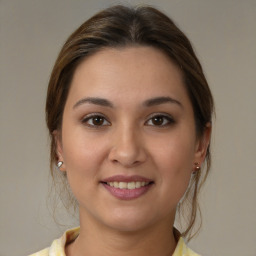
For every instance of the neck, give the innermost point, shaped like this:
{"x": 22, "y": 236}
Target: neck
{"x": 98, "y": 239}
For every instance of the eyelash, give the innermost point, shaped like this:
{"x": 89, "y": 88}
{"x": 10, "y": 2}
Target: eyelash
{"x": 167, "y": 120}
{"x": 90, "y": 117}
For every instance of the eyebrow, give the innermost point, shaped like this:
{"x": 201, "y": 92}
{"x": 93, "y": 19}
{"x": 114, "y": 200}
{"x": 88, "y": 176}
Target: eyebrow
{"x": 96, "y": 101}
{"x": 161, "y": 100}
{"x": 148, "y": 103}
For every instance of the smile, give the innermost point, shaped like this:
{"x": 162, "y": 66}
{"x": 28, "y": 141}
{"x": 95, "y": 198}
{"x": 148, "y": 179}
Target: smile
{"x": 128, "y": 185}
{"x": 127, "y": 188}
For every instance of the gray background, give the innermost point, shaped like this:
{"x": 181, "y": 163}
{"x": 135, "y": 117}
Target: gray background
{"x": 224, "y": 36}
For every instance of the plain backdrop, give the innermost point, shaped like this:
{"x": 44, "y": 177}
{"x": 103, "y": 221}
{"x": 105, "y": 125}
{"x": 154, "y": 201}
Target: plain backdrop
{"x": 32, "y": 32}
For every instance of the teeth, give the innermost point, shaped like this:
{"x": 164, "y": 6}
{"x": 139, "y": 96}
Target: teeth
{"x": 122, "y": 185}
{"x": 138, "y": 184}
{"x": 127, "y": 185}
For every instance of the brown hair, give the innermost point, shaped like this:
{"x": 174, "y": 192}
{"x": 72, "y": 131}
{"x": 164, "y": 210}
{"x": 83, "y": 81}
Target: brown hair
{"x": 121, "y": 26}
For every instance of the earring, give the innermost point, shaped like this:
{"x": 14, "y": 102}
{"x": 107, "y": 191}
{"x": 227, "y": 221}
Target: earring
{"x": 59, "y": 164}
{"x": 197, "y": 168}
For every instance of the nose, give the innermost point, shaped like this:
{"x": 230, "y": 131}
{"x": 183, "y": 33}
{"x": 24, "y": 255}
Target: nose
{"x": 128, "y": 148}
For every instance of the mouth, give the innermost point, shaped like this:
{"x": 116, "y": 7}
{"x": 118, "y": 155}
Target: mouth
{"x": 128, "y": 185}
{"x": 127, "y": 188}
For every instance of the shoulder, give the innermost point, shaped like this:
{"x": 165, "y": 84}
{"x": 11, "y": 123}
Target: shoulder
{"x": 57, "y": 247}
{"x": 191, "y": 253}
{"x": 183, "y": 250}
{"x": 44, "y": 252}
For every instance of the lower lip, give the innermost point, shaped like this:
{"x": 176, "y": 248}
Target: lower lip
{"x": 127, "y": 194}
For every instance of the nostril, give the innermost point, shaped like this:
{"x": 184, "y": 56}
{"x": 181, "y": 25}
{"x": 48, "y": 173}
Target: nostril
{"x": 126, "y": 153}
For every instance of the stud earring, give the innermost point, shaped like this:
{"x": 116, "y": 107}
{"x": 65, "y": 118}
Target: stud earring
{"x": 59, "y": 164}
{"x": 197, "y": 168}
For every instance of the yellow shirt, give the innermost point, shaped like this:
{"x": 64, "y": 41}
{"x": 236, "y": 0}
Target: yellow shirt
{"x": 58, "y": 246}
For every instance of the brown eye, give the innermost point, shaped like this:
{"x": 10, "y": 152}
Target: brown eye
{"x": 157, "y": 120}
{"x": 160, "y": 120}
{"x": 95, "y": 121}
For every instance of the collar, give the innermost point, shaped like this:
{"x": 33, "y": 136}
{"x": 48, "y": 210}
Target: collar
{"x": 58, "y": 246}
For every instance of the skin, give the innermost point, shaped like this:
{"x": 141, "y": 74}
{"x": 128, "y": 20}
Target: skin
{"x": 128, "y": 141}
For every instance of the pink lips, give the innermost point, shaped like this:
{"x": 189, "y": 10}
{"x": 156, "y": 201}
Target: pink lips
{"x": 127, "y": 194}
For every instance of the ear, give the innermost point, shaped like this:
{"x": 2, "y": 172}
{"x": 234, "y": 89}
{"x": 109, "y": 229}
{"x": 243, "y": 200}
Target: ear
{"x": 58, "y": 149}
{"x": 203, "y": 144}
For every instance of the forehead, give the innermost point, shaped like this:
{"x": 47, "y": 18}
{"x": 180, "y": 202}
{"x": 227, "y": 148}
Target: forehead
{"x": 130, "y": 72}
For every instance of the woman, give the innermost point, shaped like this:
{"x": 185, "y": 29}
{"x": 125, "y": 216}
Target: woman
{"x": 129, "y": 114}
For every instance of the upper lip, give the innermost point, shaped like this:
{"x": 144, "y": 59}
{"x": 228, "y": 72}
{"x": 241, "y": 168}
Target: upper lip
{"x": 123, "y": 178}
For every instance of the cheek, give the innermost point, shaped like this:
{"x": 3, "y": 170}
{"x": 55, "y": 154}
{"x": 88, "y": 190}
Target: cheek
{"x": 174, "y": 160}
{"x": 83, "y": 158}
{"x": 83, "y": 153}
{"x": 175, "y": 152}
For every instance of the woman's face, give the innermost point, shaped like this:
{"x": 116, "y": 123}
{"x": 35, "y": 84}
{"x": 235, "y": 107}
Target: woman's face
{"x": 128, "y": 138}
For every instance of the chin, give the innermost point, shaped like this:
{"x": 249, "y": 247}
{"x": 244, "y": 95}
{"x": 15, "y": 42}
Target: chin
{"x": 129, "y": 221}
